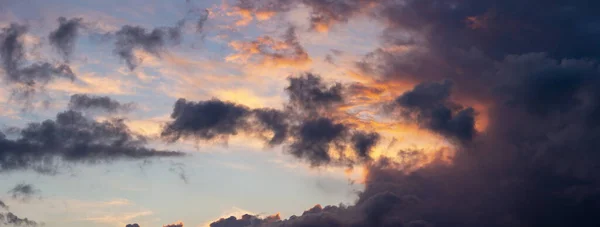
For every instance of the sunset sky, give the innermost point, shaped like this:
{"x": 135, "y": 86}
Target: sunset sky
{"x": 382, "y": 112}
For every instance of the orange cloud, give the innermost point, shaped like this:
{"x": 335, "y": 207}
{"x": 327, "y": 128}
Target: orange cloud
{"x": 268, "y": 51}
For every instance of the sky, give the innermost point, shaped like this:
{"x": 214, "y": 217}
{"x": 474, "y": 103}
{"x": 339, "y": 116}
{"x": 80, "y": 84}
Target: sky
{"x": 272, "y": 113}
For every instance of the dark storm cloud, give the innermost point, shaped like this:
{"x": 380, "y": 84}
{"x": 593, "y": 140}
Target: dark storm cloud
{"x": 306, "y": 127}
{"x": 72, "y": 138}
{"x": 65, "y": 36}
{"x": 23, "y": 191}
{"x": 533, "y": 65}
{"x": 82, "y": 102}
{"x": 130, "y": 38}
{"x": 430, "y": 102}
{"x": 12, "y": 53}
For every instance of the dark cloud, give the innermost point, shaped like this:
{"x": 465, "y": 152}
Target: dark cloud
{"x": 430, "y": 102}
{"x": 28, "y": 77}
{"x": 23, "y": 191}
{"x": 3, "y": 205}
{"x": 363, "y": 143}
{"x": 202, "y": 20}
{"x": 315, "y": 138}
{"x": 329, "y": 59}
{"x": 206, "y": 119}
{"x": 534, "y": 67}
{"x": 72, "y": 138}
{"x": 245, "y": 220}
{"x": 180, "y": 224}
{"x": 308, "y": 93}
{"x": 130, "y": 38}
{"x": 132, "y": 225}
{"x": 306, "y": 127}
{"x": 82, "y": 102}
{"x": 275, "y": 121}
{"x": 201, "y": 14}
{"x": 10, "y": 219}
{"x": 65, "y": 36}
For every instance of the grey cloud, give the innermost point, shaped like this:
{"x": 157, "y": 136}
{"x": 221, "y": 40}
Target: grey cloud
{"x": 65, "y": 36}
{"x": 11, "y": 219}
{"x": 430, "y": 102}
{"x": 205, "y": 119}
{"x": 30, "y": 77}
{"x": 3, "y": 205}
{"x": 23, "y": 191}
{"x": 308, "y": 93}
{"x": 72, "y": 138}
{"x": 315, "y": 139}
{"x": 130, "y": 38}
{"x": 81, "y": 102}
{"x": 305, "y": 126}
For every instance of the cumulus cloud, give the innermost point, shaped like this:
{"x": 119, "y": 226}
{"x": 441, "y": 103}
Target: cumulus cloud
{"x": 534, "y": 165}
{"x": 306, "y": 126}
{"x": 73, "y": 138}
{"x": 205, "y": 119}
{"x": 81, "y": 102}
{"x": 64, "y": 37}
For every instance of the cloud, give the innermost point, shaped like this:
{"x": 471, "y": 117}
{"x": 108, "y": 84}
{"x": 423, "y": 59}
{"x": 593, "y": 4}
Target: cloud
{"x": 537, "y": 74}
{"x": 308, "y": 126}
{"x": 316, "y": 138}
{"x": 26, "y": 78}
{"x": 245, "y": 220}
{"x": 180, "y": 224}
{"x": 65, "y": 36}
{"x": 309, "y": 94}
{"x": 80, "y": 102}
{"x": 23, "y": 191}
{"x": 72, "y": 138}
{"x": 323, "y": 14}
{"x": 3, "y": 205}
{"x": 205, "y": 119}
{"x": 130, "y": 38}
{"x": 434, "y": 111}
{"x": 11, "y": 219}
{"x": 269, "y": 51}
